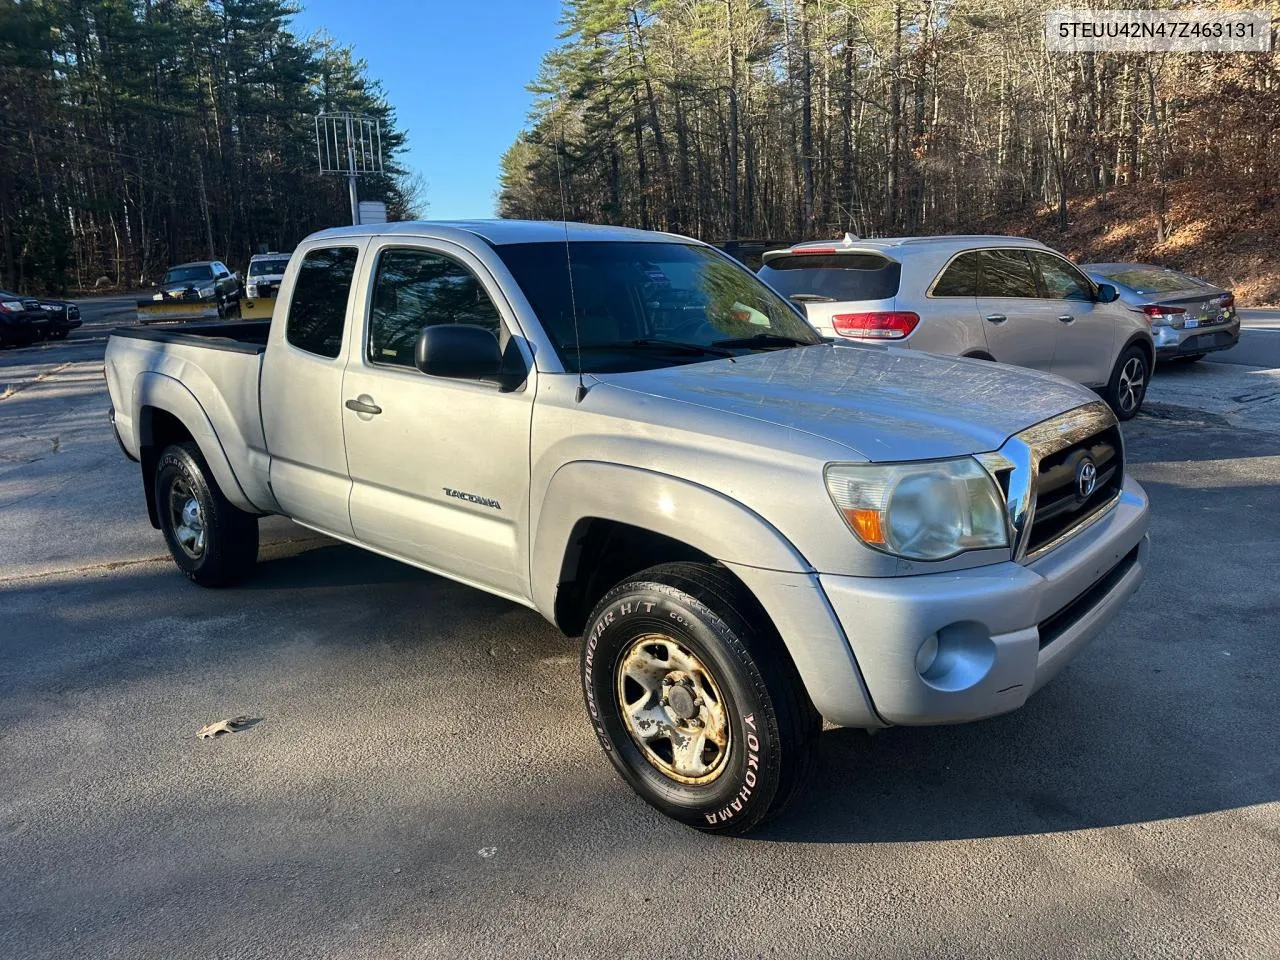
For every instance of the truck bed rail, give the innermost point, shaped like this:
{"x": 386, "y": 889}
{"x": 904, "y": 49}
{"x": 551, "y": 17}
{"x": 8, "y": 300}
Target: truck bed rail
{"x": 244, "y": 337}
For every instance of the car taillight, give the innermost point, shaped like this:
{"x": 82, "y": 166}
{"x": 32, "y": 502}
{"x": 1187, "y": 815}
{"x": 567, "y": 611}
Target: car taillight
{"x": 877, "y": 325}
{"x": 1158, "y": 313}
{"x": 1227, "y": 302}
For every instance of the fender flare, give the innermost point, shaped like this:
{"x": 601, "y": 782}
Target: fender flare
{"x": 1144, "y": 341}
{"x": 157, "y": 391}
{"x": 705, "y": 519}
{"x": 768, "y": 564}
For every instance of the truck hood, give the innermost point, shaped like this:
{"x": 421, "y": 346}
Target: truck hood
{"x": 885, "y": 404}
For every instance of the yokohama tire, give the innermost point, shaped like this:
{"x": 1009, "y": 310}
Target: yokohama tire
{"x": 698, "y": 613}
{"x": 211, "y": 541}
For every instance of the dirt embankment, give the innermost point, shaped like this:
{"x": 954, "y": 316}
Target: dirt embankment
{"x": 1226, "y": 234}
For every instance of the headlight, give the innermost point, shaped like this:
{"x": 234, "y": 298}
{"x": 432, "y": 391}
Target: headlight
{"x": 251, "y": 291}
{"x": 205, "y": 291}
{"x": 920, "y": 511}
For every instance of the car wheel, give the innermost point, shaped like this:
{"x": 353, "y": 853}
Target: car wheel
{"x": 1128, "y": 384}
{"x": 695, "y": 700}
{"x": 212, "y": 542}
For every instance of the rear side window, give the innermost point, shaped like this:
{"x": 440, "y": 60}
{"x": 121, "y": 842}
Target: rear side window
{"x": 837, "y": 276}
{"x": 1007, "y": 273}
{"x": 960, "y": 278}
{"x": 416, "y": 289}
{"x": 318, "y": 310}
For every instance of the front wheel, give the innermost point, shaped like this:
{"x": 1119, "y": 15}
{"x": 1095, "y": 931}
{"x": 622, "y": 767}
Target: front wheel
{"x": 1128, "y": 384}
{"x": 694, "y": 699}
{"x": 212, "y": 542}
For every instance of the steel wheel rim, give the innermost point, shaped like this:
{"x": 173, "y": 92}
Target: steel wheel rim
{"x": 186, "y": 518}
{"x": 1132, "y": 383}
{"x": 673, "y": 709}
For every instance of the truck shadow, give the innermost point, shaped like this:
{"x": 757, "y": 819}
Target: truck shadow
{"x": 327, "y": 563}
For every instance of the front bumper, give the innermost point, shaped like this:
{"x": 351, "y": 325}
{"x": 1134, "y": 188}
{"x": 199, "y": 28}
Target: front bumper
{"x": 1172, "y": 343}
{"x": 1001, "y": 631}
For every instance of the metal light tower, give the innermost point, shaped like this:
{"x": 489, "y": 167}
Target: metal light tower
{"x": 349, "y": 144}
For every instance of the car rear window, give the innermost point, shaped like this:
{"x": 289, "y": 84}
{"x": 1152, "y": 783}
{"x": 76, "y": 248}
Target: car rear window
{"x": 840, "y": 276}
{"x": 1144, "y": 280}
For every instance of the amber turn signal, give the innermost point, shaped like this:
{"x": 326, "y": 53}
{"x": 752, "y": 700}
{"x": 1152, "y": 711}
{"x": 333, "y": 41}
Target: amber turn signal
{"x": 866, "y": 524}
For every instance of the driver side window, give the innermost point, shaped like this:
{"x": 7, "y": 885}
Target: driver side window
{"x": 419, "y": 288}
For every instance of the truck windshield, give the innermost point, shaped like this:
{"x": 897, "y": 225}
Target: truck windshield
{"x": 268, "y": 268}
{"x": 188, "y": 274}
{"x": 642, "y": 305}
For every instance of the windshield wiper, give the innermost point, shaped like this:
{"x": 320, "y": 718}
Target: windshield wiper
{"x": 764, "y": 340}
{"x": 672, "y": 346}
{"x": 811, "y": 298}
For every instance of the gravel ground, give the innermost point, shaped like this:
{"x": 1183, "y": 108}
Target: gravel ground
{"x": 420, "y": 780}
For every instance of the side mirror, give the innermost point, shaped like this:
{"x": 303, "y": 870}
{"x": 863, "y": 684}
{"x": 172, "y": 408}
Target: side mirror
{"x": 458, "y": 350}
{"x": 1107, "y": 293}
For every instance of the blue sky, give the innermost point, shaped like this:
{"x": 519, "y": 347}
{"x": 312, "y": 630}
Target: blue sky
{"x": 456, "y": 74}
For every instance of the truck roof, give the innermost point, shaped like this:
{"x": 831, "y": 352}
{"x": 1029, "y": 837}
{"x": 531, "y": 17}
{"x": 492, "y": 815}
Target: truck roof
{"x": 499, "y": 232}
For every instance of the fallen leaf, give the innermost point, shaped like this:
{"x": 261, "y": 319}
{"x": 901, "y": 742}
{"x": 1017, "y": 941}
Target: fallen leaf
{"x": 231, "y": 725}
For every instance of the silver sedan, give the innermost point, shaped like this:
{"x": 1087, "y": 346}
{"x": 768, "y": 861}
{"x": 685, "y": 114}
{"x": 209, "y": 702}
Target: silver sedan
{"x": 1188, "y": 316}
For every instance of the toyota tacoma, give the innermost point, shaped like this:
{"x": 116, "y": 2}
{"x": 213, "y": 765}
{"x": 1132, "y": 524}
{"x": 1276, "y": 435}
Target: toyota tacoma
{"x": 751, "y": 528}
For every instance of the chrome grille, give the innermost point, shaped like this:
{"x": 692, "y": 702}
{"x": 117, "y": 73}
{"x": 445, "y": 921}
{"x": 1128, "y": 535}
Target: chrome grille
{"x": 1040, "y": 472}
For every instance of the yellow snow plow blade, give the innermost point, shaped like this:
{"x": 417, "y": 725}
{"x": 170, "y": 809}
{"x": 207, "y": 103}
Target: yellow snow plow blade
{"x": 155, "y": 311}
{"x": 258, "y": 308}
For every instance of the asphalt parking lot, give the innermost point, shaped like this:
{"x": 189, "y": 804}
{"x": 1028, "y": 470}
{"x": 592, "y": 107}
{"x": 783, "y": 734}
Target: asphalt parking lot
{"x": 420, "y": 780}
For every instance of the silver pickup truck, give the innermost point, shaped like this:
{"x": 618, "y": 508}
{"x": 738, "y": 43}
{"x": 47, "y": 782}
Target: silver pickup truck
{"x": 751, "y": 528}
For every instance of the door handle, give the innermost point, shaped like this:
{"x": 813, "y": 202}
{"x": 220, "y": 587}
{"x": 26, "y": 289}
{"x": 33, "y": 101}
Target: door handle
{"x": 996, "y": 318}
{"x": 1067, "y": 318}
{"x": 364, "y": 404}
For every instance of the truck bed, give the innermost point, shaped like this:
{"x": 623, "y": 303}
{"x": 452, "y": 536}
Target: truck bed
{"x": 206, "y": 375}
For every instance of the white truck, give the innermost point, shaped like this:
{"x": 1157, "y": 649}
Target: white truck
{"x": 752, "y": 528}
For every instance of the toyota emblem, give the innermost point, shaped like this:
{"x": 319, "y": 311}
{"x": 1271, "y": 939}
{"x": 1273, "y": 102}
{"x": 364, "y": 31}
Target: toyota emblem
{"x": 1086, "y": 478}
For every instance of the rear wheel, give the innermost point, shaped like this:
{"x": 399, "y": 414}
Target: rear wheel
{"x": 1128, "y": 384}
{"x": 694, "y": 699}
{"x": 211, "y": 541}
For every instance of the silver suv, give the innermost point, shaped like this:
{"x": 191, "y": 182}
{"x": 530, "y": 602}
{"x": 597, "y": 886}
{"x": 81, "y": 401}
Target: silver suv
{"x": 992, "y": 298}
